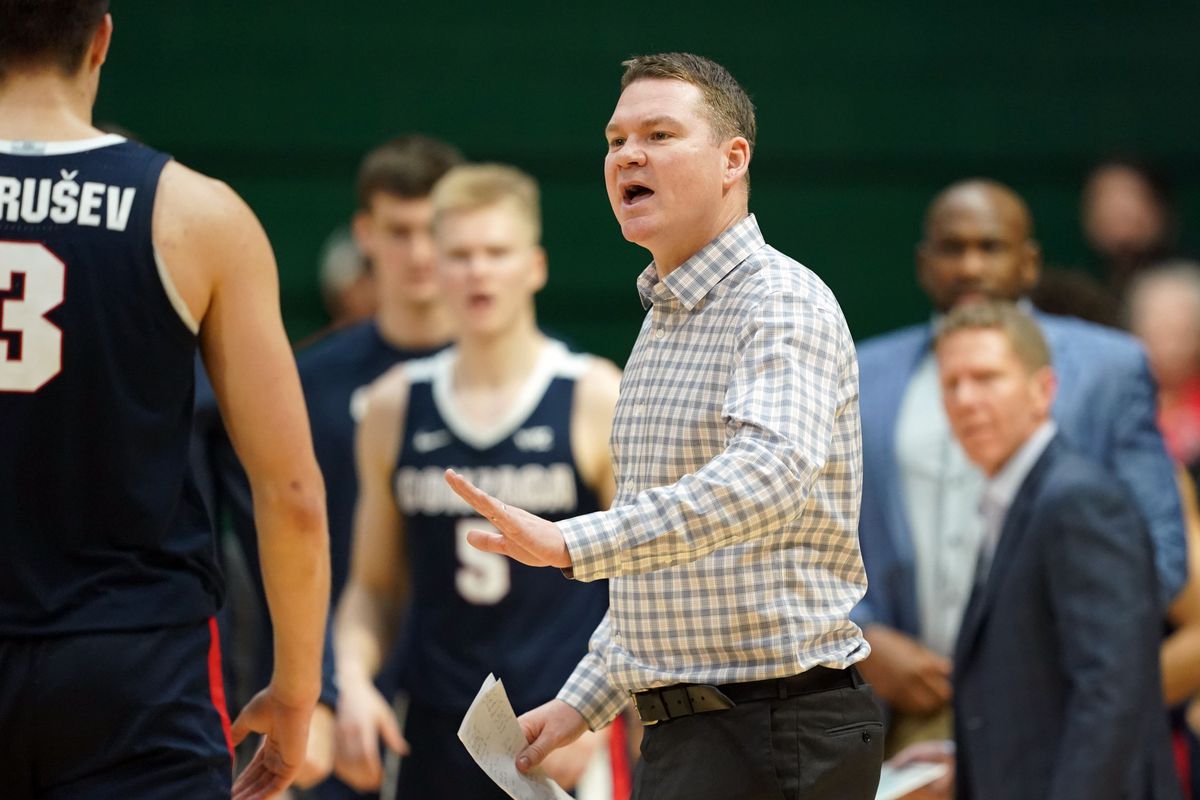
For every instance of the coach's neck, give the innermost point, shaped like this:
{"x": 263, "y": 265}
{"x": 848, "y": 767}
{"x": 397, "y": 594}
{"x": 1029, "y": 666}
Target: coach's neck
{"x": 734, "y": 207}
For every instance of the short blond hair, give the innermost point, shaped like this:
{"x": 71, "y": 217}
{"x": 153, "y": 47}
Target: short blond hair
{"x": 1017, "y": 326}
{"x": 474, "y": 186}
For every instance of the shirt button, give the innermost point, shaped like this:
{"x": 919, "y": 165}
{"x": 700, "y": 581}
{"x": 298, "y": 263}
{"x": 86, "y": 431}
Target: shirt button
{"x": 660, "y": 333}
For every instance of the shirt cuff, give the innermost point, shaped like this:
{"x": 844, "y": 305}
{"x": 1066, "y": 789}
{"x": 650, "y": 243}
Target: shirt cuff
{"x": 593, "y": 543}
{"x": 589, "y": 692}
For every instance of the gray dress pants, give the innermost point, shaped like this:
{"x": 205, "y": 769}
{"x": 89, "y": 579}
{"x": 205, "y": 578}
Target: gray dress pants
{"x": 820, "y": 746}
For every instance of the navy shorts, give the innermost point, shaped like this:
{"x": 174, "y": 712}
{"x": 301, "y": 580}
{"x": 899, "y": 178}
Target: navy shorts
{"x": 122, "y": 714}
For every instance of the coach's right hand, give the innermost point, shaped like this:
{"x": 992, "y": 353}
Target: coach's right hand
{"x": 363, "y": 719}
{"x": 548, "y": 727}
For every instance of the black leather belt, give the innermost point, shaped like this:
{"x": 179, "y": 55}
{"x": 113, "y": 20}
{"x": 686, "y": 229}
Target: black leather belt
{"x": 684, "y": 699}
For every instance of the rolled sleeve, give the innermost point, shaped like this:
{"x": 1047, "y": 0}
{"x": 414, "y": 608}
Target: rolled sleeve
{"x": 589, "y": 690}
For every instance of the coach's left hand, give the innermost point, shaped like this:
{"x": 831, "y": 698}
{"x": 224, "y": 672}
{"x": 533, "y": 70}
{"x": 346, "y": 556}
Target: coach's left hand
{"x": 519, "y": 535}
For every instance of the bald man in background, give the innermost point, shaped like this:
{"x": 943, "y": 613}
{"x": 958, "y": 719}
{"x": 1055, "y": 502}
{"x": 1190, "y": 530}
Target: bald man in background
{"x": 920, "y": 529}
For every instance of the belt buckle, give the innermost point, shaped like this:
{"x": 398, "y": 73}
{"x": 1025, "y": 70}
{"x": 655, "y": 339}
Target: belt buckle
{"x": 676, "y": 698}
{"x": 650, "y": 704}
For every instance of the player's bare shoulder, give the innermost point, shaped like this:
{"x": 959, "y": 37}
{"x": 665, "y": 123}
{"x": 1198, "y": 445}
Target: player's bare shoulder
{"x": 597, "y": 389}
{"x": 202, "y": 228}
{"x": 388, "y": 394}
{"x": 595, "y": 401}
{"x": 385, "y": 402}
{"x": 190, "y": 207}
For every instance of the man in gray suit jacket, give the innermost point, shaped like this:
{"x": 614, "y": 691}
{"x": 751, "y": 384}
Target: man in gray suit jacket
{"x": 1057, "y": 691}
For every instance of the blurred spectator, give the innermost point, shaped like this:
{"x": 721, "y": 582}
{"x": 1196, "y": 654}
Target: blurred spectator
{"x": 919, "y": 528}
{"x": 347, "y": 286}
{"x": 1128, "y": 216}
{"x": 1056, "y": 678}
{"x": 1164, "y": 312}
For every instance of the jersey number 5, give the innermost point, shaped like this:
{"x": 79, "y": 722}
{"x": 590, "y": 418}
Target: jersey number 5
{"x": 32, "y": 284}
{"x": 483, "y": 579}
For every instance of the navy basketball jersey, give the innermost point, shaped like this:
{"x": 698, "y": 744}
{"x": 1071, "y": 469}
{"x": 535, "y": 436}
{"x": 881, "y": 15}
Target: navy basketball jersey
{"x": 335, "y": 372}
{"x": 473, "y": 612}
{"x": 101, "y": 527}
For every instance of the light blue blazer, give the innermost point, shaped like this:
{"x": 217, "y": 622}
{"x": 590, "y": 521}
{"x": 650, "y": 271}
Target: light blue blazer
{"x": 1105, "y": 409}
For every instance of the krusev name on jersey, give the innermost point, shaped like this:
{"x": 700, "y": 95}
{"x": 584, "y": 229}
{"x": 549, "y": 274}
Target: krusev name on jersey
{"x": 69, "y": 199}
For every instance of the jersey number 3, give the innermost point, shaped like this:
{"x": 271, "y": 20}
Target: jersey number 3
{"x": 32, "y": 284}
{"x": 483, "y": 579}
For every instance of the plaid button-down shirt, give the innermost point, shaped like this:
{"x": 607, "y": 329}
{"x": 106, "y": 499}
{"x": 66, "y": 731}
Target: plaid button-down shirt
{"x": 732, "y": 543}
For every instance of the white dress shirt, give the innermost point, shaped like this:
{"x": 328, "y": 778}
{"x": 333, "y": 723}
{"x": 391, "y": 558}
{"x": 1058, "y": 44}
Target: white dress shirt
{"x": 1002, "y": 488}
{"x": 941, "y": 498}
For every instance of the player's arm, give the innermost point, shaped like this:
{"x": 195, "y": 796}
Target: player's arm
{"x": 591, "y": 427}
{"x": 220, "y": 263}
{"x": 371, "y": 602}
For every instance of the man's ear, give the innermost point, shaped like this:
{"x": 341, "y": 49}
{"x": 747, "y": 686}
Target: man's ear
{"x": 737, "y": 161}
{"x": 540, "y": 269}
{"x": 101, "y": 39}
{"x": 1047, "y": 387}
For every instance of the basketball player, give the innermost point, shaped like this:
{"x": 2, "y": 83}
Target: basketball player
{"x": 392, "y": 228}
{"x": 115, "y": 264}
{"x": 518, "y": 412}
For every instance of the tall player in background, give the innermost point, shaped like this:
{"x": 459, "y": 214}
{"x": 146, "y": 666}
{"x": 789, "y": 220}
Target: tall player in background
{"x": 115, "y": 263}
{"x": 517, "y": 412}
{"x": 392, "y": 228}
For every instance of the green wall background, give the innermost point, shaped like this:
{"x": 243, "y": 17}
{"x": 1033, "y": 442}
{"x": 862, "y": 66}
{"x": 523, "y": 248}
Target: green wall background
{"x": 865, "y": 110}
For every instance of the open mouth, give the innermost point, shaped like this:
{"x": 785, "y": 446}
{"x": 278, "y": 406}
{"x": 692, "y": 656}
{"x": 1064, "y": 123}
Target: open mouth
{"x": 635, "y": 193}
{"x": 479, "y": 302}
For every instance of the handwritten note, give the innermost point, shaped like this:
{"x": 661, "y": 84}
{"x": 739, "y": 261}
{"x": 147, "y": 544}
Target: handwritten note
{"x": 493, "y": 737}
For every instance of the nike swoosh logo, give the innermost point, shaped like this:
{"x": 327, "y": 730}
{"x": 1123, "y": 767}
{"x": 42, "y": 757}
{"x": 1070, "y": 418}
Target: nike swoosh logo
{"x": 428, "y": 441}
{"x": 539, "y": 439}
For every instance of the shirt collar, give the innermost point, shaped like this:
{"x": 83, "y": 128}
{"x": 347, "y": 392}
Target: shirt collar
{"x": 692, "y": 280}
{"x": 1000, "y": 489}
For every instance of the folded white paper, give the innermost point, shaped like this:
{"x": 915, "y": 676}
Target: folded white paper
{"x": 493, "y": 737}
{"x": 895, "y": 782}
